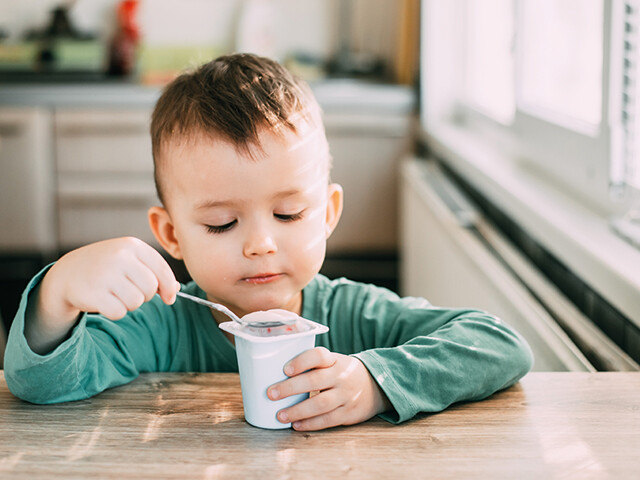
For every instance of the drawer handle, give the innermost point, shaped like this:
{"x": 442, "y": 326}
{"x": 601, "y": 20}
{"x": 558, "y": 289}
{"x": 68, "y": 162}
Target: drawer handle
{"x": 106, "y": 201}
{"x": 102, "y": 130}
{"x": 461, "y": 208}
{"x": 10, "y": 130}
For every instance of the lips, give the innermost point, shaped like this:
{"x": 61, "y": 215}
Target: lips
{"x": 262, "y": 278}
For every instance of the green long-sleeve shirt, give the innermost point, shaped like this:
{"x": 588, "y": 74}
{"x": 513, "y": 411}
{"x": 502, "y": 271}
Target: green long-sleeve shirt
{"x": 424, "y": 358}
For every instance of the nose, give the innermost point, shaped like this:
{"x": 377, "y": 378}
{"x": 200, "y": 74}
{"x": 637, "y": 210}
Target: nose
{"x": 259, "y": 241}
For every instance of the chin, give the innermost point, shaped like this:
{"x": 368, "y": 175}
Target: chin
{"x": 267, "y": 302}
{"x": 256, "y": 306}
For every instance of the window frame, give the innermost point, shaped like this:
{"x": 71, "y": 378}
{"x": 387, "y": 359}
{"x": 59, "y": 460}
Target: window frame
{"x": 569, "y": 221}
{"x": 573, "y": 155}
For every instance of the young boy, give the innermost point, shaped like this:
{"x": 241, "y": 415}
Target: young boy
{"x": 242, "y": 170}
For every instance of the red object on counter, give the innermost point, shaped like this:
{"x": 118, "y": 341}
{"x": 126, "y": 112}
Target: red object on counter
{"x": 127, "y": 10}
{"x": 123, "y": 53}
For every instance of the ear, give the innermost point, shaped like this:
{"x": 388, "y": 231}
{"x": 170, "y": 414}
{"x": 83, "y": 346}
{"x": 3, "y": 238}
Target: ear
{"x": 334, "y": 208}
{"x": 164, "y": 231}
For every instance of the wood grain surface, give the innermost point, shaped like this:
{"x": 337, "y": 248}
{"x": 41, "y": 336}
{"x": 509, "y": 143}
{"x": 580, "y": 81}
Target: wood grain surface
{"x": 172, "y": 426}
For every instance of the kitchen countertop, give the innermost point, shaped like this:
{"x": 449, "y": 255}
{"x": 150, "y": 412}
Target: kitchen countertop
{"x": 78, "y": 95}
{"x": 190, "y": 425}
{"x": 333, "y": 95}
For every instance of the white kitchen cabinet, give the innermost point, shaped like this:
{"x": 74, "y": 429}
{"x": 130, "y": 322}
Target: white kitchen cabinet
{"x": 27, "y": 197}
{"x": 447, "y": 261}
{"x": 366, "y": 152}
{"x": 104, "y": 174}
{"x": 103, "y": 141}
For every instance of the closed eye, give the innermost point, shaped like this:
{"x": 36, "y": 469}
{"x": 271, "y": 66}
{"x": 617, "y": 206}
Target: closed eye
{"x": 221, "y": 228}
{"x": 292, "y": 217}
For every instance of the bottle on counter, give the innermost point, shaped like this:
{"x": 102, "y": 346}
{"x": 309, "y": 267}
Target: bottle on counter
{"x": 124, "y": 45}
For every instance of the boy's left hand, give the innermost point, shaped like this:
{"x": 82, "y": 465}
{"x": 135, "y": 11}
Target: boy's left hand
{"x": 347, "y": 392}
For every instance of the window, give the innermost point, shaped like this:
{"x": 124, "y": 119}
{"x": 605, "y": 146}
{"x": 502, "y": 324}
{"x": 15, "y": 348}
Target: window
{"x": 561, "y": 58}
{"x": 489, "y": 60}
{"x": 535, "y": 72}
{"x": 536, "y": 105}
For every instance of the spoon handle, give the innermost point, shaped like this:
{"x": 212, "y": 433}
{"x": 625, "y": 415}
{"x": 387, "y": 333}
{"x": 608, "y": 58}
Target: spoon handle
{"x": 215, "y": 306}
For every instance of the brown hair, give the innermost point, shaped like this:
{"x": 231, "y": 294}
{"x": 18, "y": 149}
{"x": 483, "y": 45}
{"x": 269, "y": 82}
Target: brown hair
{"x": 230, "y": 98}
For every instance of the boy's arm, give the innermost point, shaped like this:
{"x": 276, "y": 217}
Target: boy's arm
{"x": 42, "y": 332}
{"x": 48, "y": 378}
{"x": 470, "y": 357}
{"x": 47, "y": 359}
{"x": 96, "y": 354}
{"x": 425, "y": 358}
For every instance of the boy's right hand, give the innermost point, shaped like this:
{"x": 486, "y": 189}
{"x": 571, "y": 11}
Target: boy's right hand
{"x": 110, "y": 277}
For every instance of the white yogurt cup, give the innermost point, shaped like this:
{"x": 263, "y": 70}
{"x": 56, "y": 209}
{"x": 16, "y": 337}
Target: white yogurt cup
{"x": 261, "y": 361}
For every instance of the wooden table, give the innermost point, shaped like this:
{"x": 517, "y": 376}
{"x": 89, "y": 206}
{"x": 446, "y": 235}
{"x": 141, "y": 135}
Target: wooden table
{"x": 550, "y": 425}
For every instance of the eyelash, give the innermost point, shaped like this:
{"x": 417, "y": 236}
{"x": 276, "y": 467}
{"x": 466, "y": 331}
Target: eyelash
{"x": 220, "y": 228}
{"x": 228, "y": 226}
{"x": 289, "y": 217}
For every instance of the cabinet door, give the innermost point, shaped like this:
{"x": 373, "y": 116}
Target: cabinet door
{"x": 27, "y": 206}
{"x": 105, "y": 141}
{"x": 451, "y": 266}
{"x": 105, "y": 175}
{"x": 366, "y": 153}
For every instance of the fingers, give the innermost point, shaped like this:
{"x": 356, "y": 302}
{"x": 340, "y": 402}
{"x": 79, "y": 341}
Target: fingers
{"x": 166, "y": 286}
{"x": 112, "y": 307}
{"x": 143, "y": 278}
{"x": 320, "y": 405}
{"x": 321, "y": 422}
{"x": 315, "y": 363}
{"x": 318, "y": 357}
{"x": 129, "y": 294}
{"x": 314, "y": 380}
{"x": 309, "y": 371}
{"x": 347, "y": 392}
{"x": 118, "y": 275}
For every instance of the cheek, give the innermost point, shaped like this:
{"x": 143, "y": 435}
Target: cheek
{"x": 208, "y": 256}
{"x": 309, "y": 239}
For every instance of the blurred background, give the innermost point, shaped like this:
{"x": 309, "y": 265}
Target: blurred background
{"x": 78, "y": 80}
{"x": 489, "y": 150}
{"x": 152, "y": 40}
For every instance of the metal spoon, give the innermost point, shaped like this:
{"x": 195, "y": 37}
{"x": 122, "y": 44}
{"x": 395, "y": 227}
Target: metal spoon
{"x": 233, "y": 316}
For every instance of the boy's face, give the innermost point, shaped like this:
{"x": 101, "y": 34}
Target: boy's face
{"x": 251, "y": 231}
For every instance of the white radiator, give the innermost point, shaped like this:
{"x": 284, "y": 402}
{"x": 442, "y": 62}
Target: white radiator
{"x": 454, "y": 258}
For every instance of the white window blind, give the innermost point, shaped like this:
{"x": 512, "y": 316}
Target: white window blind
{"x": 625, "y": 154}
{"x": 627, "y": 169}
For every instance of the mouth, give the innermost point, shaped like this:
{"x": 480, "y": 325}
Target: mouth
{"x": 262, "y": 278}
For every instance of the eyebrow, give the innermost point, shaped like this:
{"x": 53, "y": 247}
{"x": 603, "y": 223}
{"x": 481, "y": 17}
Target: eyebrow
{"x": 229, "y": 203}
{"x": 214, "y": 203}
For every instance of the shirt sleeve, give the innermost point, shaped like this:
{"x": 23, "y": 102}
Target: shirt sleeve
{"x": 424, "y": 358}
{"x": 98, "y": 354}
